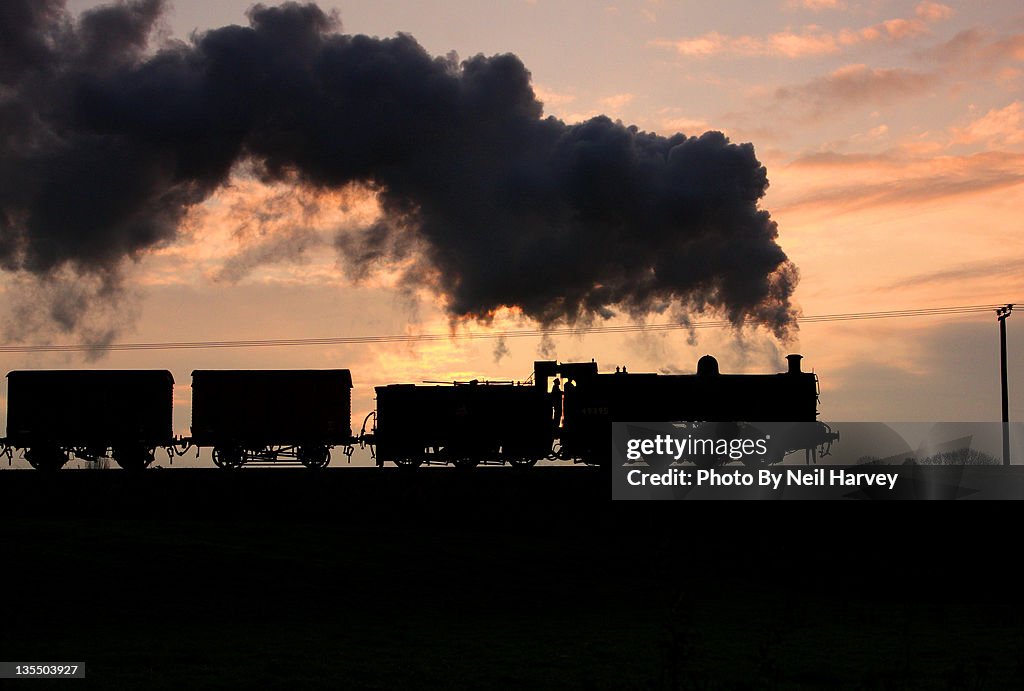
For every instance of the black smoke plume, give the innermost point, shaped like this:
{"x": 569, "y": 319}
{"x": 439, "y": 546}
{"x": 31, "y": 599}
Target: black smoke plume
{"x": 105, "y": 143}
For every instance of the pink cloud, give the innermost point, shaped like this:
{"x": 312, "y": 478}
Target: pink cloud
{"x": 998, "y": 127}
{"x": 816, "y": 5}
{"x": 977, "y": 48}
{"x": 810, "y": 40}
{"x": 933, "y": 11}
{"x": 898, "y": 29}
{"x": 855, "y": 85}
{"x": 616, "y": 101}
{"x": 833, "y": 183}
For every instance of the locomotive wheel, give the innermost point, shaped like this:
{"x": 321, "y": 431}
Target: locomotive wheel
{"x": 227, "y": 457}
{"x": 314, "y": 456}
{"x": 522, "y": 462}
{"x": 134, "y": 457}
{"x": 408, "y": 463}
{"x": 466, "y": 463}
{"x": 48, "y": 458}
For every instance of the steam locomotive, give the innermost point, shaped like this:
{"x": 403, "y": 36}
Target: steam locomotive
{"x": 298, "y": 416}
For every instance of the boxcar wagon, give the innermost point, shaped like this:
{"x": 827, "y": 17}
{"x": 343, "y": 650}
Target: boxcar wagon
{"x": 270, "y": 416}
{"x": 54, "y": 414}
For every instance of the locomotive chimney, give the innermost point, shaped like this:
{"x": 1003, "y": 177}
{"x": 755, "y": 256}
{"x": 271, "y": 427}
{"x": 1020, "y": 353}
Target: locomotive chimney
{"x": 794, "y": 363}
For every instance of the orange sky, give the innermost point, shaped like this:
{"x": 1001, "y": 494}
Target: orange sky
{"x": 893, "y": 134}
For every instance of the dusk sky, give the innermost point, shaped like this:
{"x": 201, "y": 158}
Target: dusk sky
{"x": 893, "y": 137}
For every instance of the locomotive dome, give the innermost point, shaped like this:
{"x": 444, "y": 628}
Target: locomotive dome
{"x": 707, "y": 365}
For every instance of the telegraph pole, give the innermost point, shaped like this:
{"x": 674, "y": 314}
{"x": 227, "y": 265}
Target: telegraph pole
{"x": 1001, "y": 314}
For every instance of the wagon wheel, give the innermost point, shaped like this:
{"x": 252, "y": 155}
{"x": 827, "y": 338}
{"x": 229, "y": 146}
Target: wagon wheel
{"x": 47, "y": 458}
{"x": 522, "y": 462}
{"x": 134, "y": 457}
{"x": 314, "y": 457}
{"x": 409, "y": 463}
{"x": 227, "y": 457}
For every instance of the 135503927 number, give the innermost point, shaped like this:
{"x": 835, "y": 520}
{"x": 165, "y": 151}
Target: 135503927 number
{"x": 52, "y": 670}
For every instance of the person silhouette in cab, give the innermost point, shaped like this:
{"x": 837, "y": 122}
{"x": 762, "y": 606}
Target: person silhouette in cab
{"x": 556, "y": 403}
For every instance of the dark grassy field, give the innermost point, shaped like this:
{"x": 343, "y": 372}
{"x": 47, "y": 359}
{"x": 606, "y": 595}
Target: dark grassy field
{"x": 380, "y": 579}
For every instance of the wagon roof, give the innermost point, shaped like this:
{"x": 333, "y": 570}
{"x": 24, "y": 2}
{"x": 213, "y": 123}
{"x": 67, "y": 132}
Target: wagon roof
{"x": 344, "y": 374}
{"x": 137, "y": 373}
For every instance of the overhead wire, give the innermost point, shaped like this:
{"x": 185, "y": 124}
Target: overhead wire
{"x": 521, "y": 333}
